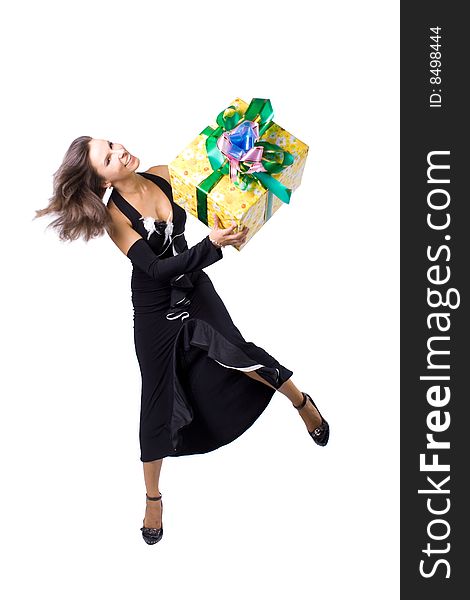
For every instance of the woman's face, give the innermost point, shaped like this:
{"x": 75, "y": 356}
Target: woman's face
{"x": 111, "y": 160}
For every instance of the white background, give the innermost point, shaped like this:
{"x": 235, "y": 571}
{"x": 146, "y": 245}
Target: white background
{"x": 270, "y": 515}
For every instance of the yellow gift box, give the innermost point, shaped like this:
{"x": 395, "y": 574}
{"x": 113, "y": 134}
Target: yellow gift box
{"x": 201, "y": 189}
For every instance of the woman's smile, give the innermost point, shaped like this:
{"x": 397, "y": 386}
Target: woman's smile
{"x": 112, "y": 160}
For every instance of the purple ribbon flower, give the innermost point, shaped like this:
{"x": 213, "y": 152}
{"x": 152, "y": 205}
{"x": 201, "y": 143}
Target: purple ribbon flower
{"x": 238, "y": 145}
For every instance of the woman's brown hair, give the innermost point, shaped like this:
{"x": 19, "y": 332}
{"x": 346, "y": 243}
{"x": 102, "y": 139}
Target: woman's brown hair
{"x": 77, "y": 196}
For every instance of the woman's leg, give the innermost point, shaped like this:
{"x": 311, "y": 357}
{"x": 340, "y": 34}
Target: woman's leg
{"x": 309, "y": 413}
{"x": 153, "y": 512}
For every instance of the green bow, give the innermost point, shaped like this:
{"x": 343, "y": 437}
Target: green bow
{"x": 274, "y": 158}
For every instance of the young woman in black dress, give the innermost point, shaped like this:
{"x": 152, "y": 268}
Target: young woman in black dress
{"x": 203, "y": 384}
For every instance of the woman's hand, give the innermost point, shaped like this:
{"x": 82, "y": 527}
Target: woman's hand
{"x": 226, "y": 237}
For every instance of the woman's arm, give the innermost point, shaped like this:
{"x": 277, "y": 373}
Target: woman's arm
{"x": 199, "y": 256}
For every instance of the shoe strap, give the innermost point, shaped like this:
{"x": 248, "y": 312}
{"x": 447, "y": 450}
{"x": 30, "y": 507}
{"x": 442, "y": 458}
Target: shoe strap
{"x": 155, "y": 498}
{"x": 303, "y": 403}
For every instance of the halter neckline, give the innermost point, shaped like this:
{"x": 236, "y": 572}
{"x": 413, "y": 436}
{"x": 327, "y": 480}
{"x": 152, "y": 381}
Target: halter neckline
{"x": 142, "y": 217}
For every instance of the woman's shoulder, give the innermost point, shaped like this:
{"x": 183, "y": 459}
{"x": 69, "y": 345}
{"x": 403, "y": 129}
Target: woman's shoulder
{"x": 160, "y": 170}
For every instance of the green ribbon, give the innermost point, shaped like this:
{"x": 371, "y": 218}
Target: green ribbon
{"x": 269, "y": 206}
{"x": 274, "y": 158}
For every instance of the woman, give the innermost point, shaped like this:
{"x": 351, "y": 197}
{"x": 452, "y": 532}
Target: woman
{"x": 203, "y": 384}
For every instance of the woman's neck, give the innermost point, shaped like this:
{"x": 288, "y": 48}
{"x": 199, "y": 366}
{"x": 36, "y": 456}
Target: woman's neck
{"x": 133, "y": 185}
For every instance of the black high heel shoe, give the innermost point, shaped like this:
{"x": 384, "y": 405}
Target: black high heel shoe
{"x": 320, "y": 434}
{"x": 152, "y": 535}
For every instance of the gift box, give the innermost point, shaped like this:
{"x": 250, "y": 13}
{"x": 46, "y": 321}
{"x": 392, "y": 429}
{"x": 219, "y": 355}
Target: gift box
{"x": 243, "y": 167}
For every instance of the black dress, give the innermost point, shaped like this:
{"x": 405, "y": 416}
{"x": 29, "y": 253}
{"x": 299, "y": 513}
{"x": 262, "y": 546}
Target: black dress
{"x": 195, "y": 396}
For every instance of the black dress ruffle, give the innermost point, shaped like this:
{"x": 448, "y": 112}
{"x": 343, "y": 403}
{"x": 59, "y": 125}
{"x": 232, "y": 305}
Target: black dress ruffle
{"x": 214, "y": 417}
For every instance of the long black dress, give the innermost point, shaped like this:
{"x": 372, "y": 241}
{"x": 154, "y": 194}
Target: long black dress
{"x": 195, "y": 396}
